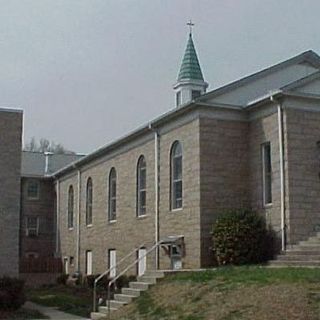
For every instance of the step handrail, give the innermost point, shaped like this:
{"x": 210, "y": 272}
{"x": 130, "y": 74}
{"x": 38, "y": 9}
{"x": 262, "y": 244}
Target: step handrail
{"x": 127, "y": 268}
{"x": 108, "y": 271}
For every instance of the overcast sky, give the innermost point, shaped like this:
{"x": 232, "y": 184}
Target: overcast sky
{"x": 86, "y": 72}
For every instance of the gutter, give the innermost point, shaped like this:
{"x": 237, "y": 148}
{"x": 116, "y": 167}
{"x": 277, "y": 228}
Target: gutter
{"x": 282, "y": 173}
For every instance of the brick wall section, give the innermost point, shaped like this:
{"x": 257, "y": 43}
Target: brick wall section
{"x": 303, "y": 132}
{"x": 223, "y": 174}
{"x": 129, "y": 231}
{"x": 43, "y": 208}
{"x": 10, "y": 164}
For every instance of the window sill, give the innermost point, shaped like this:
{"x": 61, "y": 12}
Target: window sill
{"x": 89, "y": 225}
{"x": 112, "y": 221}
{"x": 143, "y": 216}
{"x": 268, "y": 205}
{"x": 70, "y": 229}
{"x": 176, "y": 210}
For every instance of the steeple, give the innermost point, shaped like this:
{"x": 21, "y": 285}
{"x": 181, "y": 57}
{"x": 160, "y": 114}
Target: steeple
{"x": 190, "y": 83}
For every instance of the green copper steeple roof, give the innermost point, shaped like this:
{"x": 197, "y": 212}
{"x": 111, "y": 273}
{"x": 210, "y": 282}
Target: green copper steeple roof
{"x": 190, "y": 67}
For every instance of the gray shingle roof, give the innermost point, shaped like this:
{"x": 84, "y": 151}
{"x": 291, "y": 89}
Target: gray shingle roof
{"x": 33, "y": 164}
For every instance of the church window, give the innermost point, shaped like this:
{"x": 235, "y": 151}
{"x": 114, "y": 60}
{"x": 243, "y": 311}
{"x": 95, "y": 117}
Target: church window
{"x": 70, "y": 207}
{"x": 266, "y": 173}
{"x": 89, "y": 202}
{"x": 141, "y": 186}
{"x": 112, "y": 214}
{"x": 176, "y": 176}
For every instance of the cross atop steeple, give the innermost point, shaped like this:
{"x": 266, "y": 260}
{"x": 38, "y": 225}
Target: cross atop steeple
{"x": 190, "y": 24}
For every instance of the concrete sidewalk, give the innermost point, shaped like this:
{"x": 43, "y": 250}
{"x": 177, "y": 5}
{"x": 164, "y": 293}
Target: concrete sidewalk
{"x": 52, "y": 312}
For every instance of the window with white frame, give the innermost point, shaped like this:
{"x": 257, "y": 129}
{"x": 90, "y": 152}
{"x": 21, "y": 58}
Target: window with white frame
{"x": 70, "y": 207}
{"x": 32, "y": 226}
{"x": 112, "y": 210}
{"x": 141, "y": 186}
{"x": 176, "y": 176}
{"x": 89, "y": 202}
{"x": 33, "y": 189}
{"x": 266, "y": 173}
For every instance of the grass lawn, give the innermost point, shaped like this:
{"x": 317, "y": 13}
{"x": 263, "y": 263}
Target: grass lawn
{"x": 73, "y": 300}
{"x": 22, "y": 313}
{"x": 231, "y": 294}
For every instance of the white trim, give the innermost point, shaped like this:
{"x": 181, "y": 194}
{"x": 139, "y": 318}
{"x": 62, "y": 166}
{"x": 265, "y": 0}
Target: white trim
{"x": 143, "y": 216}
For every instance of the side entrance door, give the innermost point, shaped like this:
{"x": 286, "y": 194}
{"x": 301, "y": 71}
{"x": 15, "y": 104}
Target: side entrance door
{"x": 142, "y": 264}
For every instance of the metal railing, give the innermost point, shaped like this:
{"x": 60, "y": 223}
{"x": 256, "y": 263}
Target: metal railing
{"x": 107, "y": 272}
{"x": 126, "y": 269}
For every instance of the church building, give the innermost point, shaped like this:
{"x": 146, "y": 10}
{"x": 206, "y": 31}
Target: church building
{"x": 253, "y": 143}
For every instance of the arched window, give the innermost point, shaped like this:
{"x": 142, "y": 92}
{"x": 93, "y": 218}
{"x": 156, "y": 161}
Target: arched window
{"x": 112, "y": 214}
{"x": 176, "y": 175}
{"x": 89, "y": 202}
{"x": 141, "y": 186}
{"x": 70, "y": 207}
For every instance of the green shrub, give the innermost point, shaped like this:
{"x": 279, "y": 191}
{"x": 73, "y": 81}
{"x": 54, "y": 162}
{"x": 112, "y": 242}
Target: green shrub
{"x": 11, "y": 293}
{"x": 62, "y": 279}
{"x": 241, "y": 237}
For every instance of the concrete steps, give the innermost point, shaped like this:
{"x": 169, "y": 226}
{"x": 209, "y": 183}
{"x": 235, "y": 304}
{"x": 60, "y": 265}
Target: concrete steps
{"x": 304, "y": 254}
{"x": 128, "y": 294}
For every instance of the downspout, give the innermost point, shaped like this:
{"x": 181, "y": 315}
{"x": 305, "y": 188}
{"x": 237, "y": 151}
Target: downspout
{"x": 156, "y": 187}
{"x": 78, "y": 220}
{"x": 282, "y": 173}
